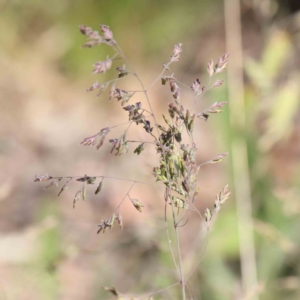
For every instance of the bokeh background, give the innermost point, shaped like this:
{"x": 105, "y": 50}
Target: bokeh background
{"x": 48, "y": 250}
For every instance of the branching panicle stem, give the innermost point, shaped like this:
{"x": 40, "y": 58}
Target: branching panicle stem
{"x": 177, "y": 169}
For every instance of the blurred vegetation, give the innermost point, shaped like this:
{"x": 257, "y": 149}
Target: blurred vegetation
{"x": 50, "y": 251}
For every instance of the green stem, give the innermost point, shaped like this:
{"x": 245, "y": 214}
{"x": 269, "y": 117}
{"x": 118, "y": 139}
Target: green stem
{"x": 164, "y": 158}
{"x": 178, "y": 248}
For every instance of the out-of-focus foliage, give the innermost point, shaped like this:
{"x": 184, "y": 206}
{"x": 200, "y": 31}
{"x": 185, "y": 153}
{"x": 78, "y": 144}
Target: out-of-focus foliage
{"x": 275, "y": 91}
{"x": 278, "y": 85}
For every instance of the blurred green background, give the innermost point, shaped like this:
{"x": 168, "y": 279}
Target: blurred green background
{"x": 50, "y": 251}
